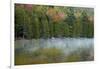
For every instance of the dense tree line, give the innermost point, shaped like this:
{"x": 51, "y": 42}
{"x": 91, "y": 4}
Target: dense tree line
{"x": 32, "y": 21}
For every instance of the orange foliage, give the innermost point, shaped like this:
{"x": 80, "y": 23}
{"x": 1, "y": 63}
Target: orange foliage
{"x": 51, "y": 12}
{"x": 58, "y": 17}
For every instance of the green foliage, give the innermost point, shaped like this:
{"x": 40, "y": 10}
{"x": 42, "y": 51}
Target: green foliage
{"x": 19, "y": 22}
{"x": 84, "y": 21}
{"x": 49, "y": 21}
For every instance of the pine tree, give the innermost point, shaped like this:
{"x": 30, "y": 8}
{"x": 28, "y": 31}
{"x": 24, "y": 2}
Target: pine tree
{"x": 70, "y": 21}
{"x": 85, "y": 24}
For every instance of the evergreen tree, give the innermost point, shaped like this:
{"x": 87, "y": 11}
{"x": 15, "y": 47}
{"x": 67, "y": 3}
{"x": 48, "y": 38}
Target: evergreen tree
{"x": 70, "y": 21}
{"x": 85, "y": 24}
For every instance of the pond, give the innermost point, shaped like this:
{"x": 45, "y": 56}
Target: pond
{"x": 67, "y": 46}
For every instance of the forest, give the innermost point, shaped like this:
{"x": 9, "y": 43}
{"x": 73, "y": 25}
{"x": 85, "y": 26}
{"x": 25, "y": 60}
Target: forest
{"x": 40, "y": 21}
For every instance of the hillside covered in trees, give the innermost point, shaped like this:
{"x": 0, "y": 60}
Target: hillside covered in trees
{"x": 42, "y": 21}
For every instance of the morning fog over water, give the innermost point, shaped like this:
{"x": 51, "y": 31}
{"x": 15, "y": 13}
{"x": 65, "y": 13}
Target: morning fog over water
{"x": 67, "y": 46}
{"x": 62, "y": 43}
